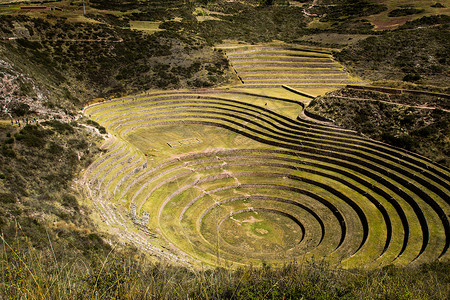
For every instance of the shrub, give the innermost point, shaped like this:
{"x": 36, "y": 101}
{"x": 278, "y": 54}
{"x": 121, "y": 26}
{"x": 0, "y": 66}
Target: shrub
{"x": 171, "y": 25}
{"x": 438, "y": 5}
{"x": 401, "y": 12}
{"x": 100, "y": 128}
{"x": 20, "y": 109}
{"x": 60, "y": 127}
{"x": 77, "y": 144}
{"x": 30, "y": 138}
{"x": 411, "y": 77}
{"x": 7, "y": 198}
{"x": 29, "y": 44}
{"x": 69, "y": 200}
{"x": 55, "y": 149}
{"x": 8, "y": 152}
{"x": 426, "y": 21}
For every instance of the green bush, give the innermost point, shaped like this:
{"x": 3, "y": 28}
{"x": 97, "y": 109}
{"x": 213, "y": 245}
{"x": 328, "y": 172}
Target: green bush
{"x": 60, "y": 127}
{"x": 171, "y": 25}
{"x": 426, "y": 21}
{"x": 100, "y": 128}
{"x": 70, "y": 200}
{"x": 411, "y": 77}
{"x": 8, "y": 152}
{"x": 401, "y": 12}
{"x": 29, "y": 44}
{"x": 55, "y": 149}
{"x": 30, "y": 140}
{"x": 339, "y": 10}
{"x": 7, "y": 198}
{"x": 20, "y": 109}
{"x": 438, "y": 5}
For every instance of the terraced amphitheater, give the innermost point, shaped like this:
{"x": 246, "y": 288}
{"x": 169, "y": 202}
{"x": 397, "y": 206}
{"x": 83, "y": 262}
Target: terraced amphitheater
{"x": 230, "y": 176}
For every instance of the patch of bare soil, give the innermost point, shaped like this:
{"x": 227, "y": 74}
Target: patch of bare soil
{"x": 261, "y": 231}
{"x": 391, "y": 24}
{"x": 251, "y": 220}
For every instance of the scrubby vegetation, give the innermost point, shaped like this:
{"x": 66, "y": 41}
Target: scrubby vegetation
{"x": 400, "y": 12}
{"x": 252, "y": 24}
{"x": 38, "y": 165}
{"x": 420, "y": 55}
{"x": 337, "y": 10}
{"x": 83, "y": 61}
{"x": 260, "y": 21}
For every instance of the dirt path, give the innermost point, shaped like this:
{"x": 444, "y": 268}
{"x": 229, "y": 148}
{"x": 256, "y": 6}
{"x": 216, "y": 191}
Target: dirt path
{"x": 393, "y": 103}
{"x": 68, "y": 40}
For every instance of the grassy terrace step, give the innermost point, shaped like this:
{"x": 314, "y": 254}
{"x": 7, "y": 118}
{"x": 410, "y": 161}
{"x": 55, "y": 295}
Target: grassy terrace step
{"x": 263, "y": 86}
{"x": 303, "y": 142}
{"x": 222, "y": 159}
{"x": 287, "y": 146}
{"x": 280, "y": 54}
{"x": 111, "y": 175}
{"x": 284, "y": 65}
{"x": 112, "y": 145}
{"x": 272, "y": 59}
{"x": 145, "y": 101}
{"x": 272, "y": 177}
{"x": 425, "y": 183}
{"x": 303, "y": 82}
{"x": 283, "y": 59}
{"x": 292, "y": 76}
{"x": 284, "y": 49}
{"x": 231, "y": 162}
{"x": 202, "y": 100}
{"x": 387, "y": 205}
{"x": 294, "y": 71}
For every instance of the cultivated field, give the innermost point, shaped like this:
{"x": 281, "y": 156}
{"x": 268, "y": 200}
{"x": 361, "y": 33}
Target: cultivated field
{"x": 233, "y": 176}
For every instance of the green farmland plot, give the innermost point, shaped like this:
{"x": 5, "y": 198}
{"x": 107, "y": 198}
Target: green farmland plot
{"x": 235, "y": 176}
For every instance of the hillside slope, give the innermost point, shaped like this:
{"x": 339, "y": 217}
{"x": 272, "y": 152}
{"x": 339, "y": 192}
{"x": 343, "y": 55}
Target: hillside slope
{"x": 74, "y": 62}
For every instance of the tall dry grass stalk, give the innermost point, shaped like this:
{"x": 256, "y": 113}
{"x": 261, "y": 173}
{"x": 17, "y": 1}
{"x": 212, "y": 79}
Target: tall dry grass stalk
{"x": 30, "y": 273}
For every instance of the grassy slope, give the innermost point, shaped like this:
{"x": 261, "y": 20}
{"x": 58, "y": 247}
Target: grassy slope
{"x": 38, "y": 164}
{"x": 74, "y": 62}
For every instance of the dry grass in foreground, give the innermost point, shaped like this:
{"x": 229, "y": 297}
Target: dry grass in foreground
{"x": 27, "y": 273}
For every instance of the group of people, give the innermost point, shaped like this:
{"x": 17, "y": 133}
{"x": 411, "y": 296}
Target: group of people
{"x": 25, "y": 121}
